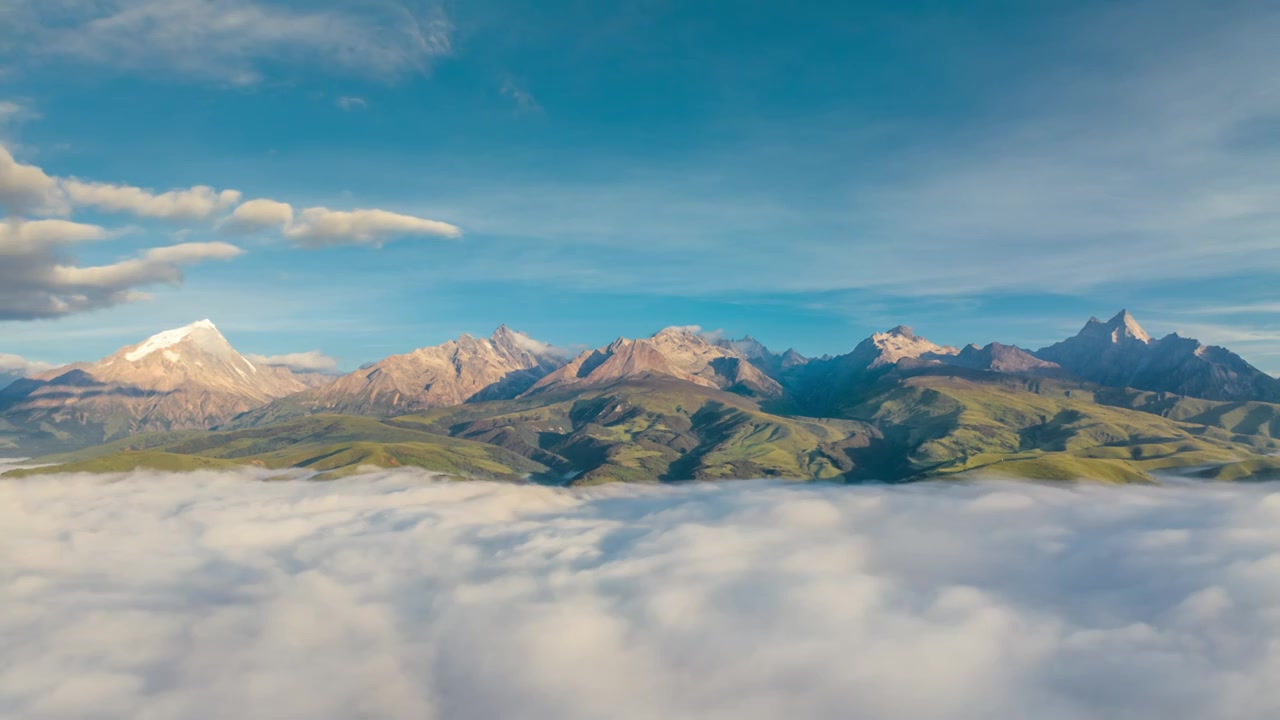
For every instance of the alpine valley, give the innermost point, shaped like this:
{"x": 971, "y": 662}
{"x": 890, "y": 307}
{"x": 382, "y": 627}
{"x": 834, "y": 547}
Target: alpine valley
{"x": 1110, "y": 404}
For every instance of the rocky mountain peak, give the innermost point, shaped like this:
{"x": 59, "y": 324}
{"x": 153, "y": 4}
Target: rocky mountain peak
{"x": 516, "y": 342}
{"x": 678, "y": 352}
{"x": 1121, "y": 328}
{"x": 887, "y": 348}
{"x": 202, "y": 336}
{"x": 1119, "y": 353}
{"x": 748, "y": 347}
{"x": 188, "y": 377}
{"x": 466, "y": 369}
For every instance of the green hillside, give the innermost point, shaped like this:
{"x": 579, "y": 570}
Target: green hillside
{"x": 331, "y": 445}
{"x": 661, "y": 430}
{"x": 902, "y": 427}
{"x": 1039, "y": 429}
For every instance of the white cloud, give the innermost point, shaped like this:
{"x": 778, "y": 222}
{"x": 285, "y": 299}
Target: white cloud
{"x": 231, "y": 40}
{"x": 391, "y": 596}
{"x": 312, "y": 361}
{"x": 21, "y": 366}
{"x": 352, "y": 103}
{"x": 14, "y": 367}
{"x": 259, "y": 214}
{"x": 320, "y": 227}
{"x": 38, "y": 282}
{"x": 156, "y": 265}
{"x": 27, "y": 189}
{"x": 15, "y": 112}
{"x": 198, "y": 203}
{"x": 520, "y": 95}
{"x": 18, "y": 236}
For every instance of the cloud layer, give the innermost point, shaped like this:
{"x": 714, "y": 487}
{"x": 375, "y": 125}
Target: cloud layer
{"x": 393, "y": 596}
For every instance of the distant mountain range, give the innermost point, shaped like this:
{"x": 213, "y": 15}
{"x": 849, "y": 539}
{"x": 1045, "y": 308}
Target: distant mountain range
{"x": 1110, "y": 403}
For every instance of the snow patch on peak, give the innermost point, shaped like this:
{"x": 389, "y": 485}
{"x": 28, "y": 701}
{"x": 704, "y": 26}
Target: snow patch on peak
{"x": 203, "y": 332}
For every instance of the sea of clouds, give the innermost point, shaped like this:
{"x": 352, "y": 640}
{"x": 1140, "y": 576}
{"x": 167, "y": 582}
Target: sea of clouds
{"x": 396, "y": 595}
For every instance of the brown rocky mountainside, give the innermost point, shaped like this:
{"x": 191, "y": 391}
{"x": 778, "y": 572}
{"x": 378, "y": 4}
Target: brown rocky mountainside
{"x": 180, "y": 379}
{"x": 995, "y": 357}
{"x": 676, "y": 352}
{"x": 823, "y": 384}
{"x": 1119, "y": 353}
{"x": 464, "y": 370}
{"x": 773, "y": 364}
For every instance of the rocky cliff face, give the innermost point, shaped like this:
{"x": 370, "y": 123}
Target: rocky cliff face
{"x": 681, "y": 353}
{"x": 186, "y": 378}
{"x": 1119, "y": 353}
{"x": 464, "y": 370}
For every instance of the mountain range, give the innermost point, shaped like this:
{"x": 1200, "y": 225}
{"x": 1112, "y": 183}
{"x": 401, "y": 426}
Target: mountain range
{"x": 1108, "y": 404}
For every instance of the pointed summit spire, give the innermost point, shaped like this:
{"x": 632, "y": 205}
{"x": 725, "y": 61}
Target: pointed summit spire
{"x": 1124, "y": 324}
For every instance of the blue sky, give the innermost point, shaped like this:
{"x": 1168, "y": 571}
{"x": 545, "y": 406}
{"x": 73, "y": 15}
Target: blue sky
{"x": 805, "y": 172}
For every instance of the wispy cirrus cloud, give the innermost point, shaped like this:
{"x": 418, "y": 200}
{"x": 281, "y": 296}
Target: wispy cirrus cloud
{"x": 398, "y": 596}
{"x": 230, "y": 40}
{"x": 351, "y": 103}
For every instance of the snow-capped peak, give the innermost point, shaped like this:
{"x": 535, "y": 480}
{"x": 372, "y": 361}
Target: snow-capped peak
{"x": 203, "y": 333}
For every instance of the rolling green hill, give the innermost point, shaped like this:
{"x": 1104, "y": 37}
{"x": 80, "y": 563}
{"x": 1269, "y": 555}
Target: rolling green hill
{"x": 330, "y": 445}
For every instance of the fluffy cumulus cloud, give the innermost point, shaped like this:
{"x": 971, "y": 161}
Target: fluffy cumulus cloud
{"x": 38, "y": 282}
{"x": 229, "y": 40}
{"x": 27, "y": 189}
{"x": 259, "y": 214}
{"x": 312, "y": 361}
{"x": 395, "y": 596}
{"x": 38, "y": 279}
{"x": 197, "y": 203}
{"x": 17, "y": 236}
{"x": 320, "y": 227}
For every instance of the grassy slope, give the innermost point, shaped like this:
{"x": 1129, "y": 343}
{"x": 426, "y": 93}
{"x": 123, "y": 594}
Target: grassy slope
{"x": 656, "y": 430}
{"x": 332, "y": 445}
{"x": 1040, "y": 429}
{"x": 1251, "y": 419}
